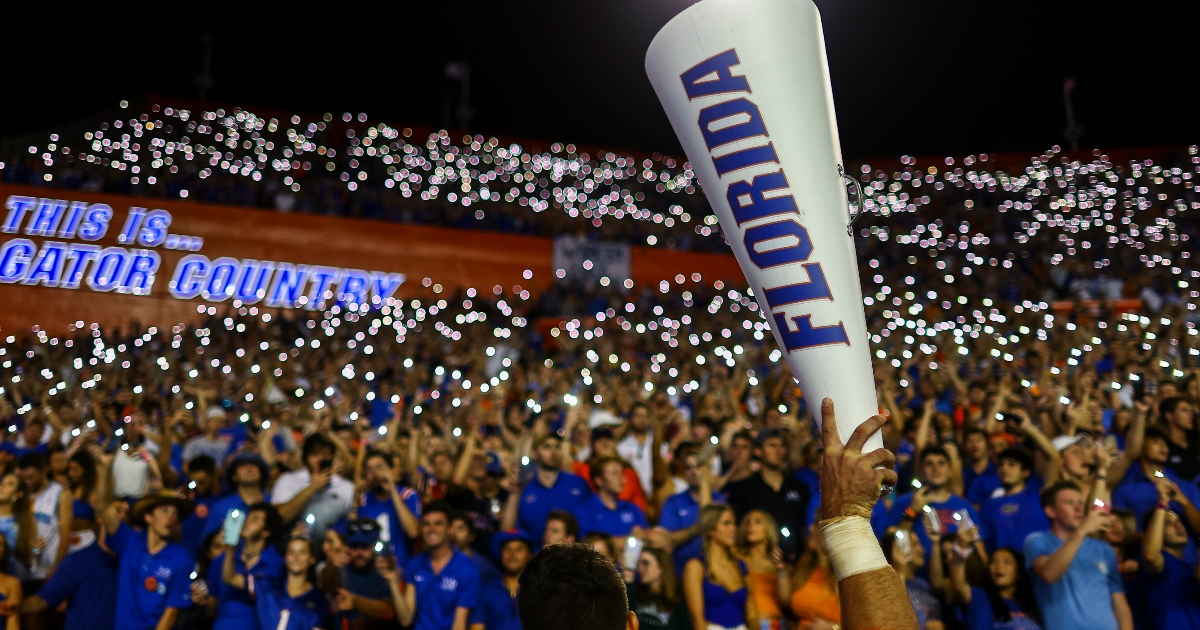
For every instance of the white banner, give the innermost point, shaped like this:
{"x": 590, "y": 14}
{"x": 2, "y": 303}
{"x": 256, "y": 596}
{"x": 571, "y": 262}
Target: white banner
{"x": 745, "y": 84}
{"x": 583, "y": 259}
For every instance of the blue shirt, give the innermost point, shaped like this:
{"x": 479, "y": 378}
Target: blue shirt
{"x": 1136, "y": 493}
{"x": 981, "y": 616}
{"x": 537, "y": 500}
{"x": 594, "y": 516}
{"x": 235, "y": 606}
{"x": 1008, "y": 520}
{"x": 373, "y": 508}
{"x": 1082, "y": 597}
{"x": 149, "y": 584}
{"x": 496, "y": 609}
{"x": 219, "y": 509}
{"x": 194, "y": 525}
{"x": 945, "y": 511}
{"x": 983, "y": 488}
{"x": 969, "y": 476}
{"x": 679, "y": 512}
{"x": 313, "y": 601}
{"x": 1173, "y": 596}
{"x": 87, "y": 581}
{"x": 440, "y": 595}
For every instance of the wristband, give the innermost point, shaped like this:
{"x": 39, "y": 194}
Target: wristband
{"x": 910, "y": 513}
{"x": 851, "y": 546}
{"x": 1163, "y": 507}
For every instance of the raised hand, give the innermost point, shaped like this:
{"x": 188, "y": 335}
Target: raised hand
{"x": 851, "y": 480}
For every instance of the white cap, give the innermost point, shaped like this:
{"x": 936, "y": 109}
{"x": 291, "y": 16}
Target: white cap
{"x": 1063, "y": 442}
{"x": 603, "y": 418}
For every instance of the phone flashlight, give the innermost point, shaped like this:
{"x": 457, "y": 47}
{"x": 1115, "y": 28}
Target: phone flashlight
{"x": 916, "y": 484}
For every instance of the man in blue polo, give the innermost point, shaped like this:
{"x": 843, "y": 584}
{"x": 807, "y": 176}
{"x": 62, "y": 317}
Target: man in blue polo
{"x": 603, "y": 512}
{"x": 233, "y": 574}
{"x": 154, "y": 579}
{"x": 497, "y": 605}
{"x": 248, "y": 474}
{"x": 551, "y": 488}
{"x": 1011, "y": 515}
{"x": 441, "y": 584}
{"x": 681, "y": 511}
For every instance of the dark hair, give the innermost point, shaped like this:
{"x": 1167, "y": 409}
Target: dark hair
{"x": 35, "y": 459}
{"x": 639, "y": 405}
{"x": 1019, "y": 455}
{"x": 669, "y": 593}
{"x": 202, "y": 463}
{"x": 1168, "y": 405}
{"x": 570, "y": 523}
{"x": 572, "y": 586}
{"x": 465, "y": 518}
{"x": 929, "y": 451}
{"x": 1155, "y": 433}
{"x": 311, "y": 574}
{"x": 85, "y": 460}
{"x": 742, "y": 435}
{"x": 440, "y": 506}
{"x": 387, "y": 459}
{"x": 598, "y": 467}
{"x": 275, "y": 523}
{"x": 1023, "y": 595}
{"x": 1050, "y": 493}
{"x": 972, "y": 431}
{"x": 314, "y": 442}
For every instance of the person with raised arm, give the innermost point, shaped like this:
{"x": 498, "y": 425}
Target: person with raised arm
{"x": 1171, "y": 585}
{"x": 872, "y": 595}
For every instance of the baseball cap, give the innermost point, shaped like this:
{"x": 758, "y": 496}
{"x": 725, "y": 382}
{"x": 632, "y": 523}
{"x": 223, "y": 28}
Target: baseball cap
{"x": 494, "y": 467}
{"x": 502, "y": 538}
{"x": 1018, "y": 455}
{"x": 362, "y": 532}
{"x": 603, "y": 417}
{"x": 1063, "y": 442}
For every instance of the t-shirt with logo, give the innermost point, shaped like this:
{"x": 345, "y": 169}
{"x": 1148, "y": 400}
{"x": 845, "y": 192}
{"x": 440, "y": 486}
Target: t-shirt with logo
{"x": 148, "y": 583}
{"x": 1172, "y": 596}
{"x": 981, "y": 615}
{"x": 788, "y": 506}
{"x": 537, "y": 500}
{"x": 594, "y": 516}
{"x": 1082, "y": 597}
{"x": 383, "y": 511}
{"x": 946, "y": 511}
{"x": 1009, "y": 520}
{"x": 194, "y": 523}
{"x": 440, "y": 595}
{"x": 496, "y": 608}
{"x": 679, "y": 512}
{"x": 235, "y": 606}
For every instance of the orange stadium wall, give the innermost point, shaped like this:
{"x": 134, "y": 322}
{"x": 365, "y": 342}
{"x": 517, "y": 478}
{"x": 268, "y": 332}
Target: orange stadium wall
{"x": 453, "y": 258}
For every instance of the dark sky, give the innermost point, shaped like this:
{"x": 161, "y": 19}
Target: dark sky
{"x": 923, "y": 77}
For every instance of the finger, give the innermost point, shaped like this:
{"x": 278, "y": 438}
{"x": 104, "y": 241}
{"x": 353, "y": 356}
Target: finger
{"x": 888, "y": 477}
{"x": 880, "y": 457}
{"x": 864, "y": 431}
{"x": 829, "y": 431}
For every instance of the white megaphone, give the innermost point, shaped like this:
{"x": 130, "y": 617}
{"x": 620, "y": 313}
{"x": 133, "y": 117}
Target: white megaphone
{"x": 745, "y": 84}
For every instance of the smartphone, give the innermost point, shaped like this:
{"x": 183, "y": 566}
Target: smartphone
{"x": 633, "y": 549}
{"x": 325, "y": 464}
{"x": 935, "y": 523}
{"x": 232, "y": 532}
{"x": 706, "y": 453}
{"x": 1102, "y": 507}
{"x": 903, "y": 543}
{"x": 965, "y": 521}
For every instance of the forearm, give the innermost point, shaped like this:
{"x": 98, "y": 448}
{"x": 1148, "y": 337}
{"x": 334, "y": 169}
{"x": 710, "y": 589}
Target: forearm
{"x": 509, "y": 518}
{"x": 889, "y": 608}
{"x": 292, "y": 508}
{"x": 229, "y": 574}
{"x": 1152, "y": 543}
{"x": 1122, "y": 611}
{"x": 407, "y": 521}
{"x": 1057, "y": 563}
{"x": 404, "y": 612}
{"x": 167, "y": 621}
{"x": 33, "y": 604}
{"x": 376, "y": 608}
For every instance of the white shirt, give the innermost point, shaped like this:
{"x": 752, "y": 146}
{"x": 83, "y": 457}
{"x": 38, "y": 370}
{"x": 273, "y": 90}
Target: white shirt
{"x": 640, "y": 458}
{"x": 327, "y": 506}
{"x": 45, "y": 513}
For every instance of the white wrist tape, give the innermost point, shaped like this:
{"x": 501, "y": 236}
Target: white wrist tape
{"x": 852, "y": 546}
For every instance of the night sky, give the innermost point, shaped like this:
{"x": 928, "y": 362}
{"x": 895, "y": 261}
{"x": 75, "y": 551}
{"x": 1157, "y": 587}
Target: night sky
{"x": 922, "y": 78}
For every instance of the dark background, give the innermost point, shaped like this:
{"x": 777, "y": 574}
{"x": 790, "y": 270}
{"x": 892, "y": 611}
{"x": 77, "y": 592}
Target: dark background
{"x": 925, "y": 77}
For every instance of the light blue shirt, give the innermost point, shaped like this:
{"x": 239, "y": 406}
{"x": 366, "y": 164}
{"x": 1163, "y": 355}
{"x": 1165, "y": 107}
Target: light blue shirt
{"x": 1082, "y": 597}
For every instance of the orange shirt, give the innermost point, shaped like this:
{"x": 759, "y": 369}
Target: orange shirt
{"x": 765, "y": 587}
{"x": 816, "y": 599}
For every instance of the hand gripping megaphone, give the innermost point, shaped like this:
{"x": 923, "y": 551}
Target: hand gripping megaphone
{"x": 745, "y": 84}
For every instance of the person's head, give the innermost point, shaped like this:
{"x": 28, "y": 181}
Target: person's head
{"x": 656, "y": 574}
{"x": 443, "y": 465}
{"x": 202, "y": 470}
{"x": 975, "y": 444}
{"x": 572, "y": 586}
{"x": 1016, "y": 464}
{"x": 263, "y": 523}
{"x": 548, "y": 452}
{"x": 718, "y": 527}
{"x": 604, "y": 442}
{"x": 248, "y": 471}
{"x": 561, "y": 527}
{"x": 333, "y": 544}
{"x": 514, "y": 549}
{"x": 976, "y": 393}
{"x": 214, "y": 420}
{"x": 639, "y": 417}
{"x": 1005, "y": 567}
{"x": 1078, "y": 454}
{"x": 935, "y": 467}
{"x": 13, "y": 489}
{"x": 1116, "y": 533}
{"x": 462, "y": 532}
{"x": 1063, "y": 504}
{"x": 770, "y": 449}
{"x": 741, "y": 448}
{"x": 81, "y": 471}
{"x": 1155, "y": 447}
{"x": 758, "y": 528}
{"x": 608, "y": 475}
{"x": 32, "y": 468}
{"x": 603, "y": 544}
{"x": 35, "y": 428}
{"x": 378, "y": 468}
{"x": 362, "y": 538}
{"x": 300, "y": 557}
{"x": 1175, "y": 535}
{"x": 316, "y": 450}
{"x": 903, "y": 549}
{"x": 435, "y": 525}
{"x": 160, "y": 518}
{"x": 1006, "y": 571}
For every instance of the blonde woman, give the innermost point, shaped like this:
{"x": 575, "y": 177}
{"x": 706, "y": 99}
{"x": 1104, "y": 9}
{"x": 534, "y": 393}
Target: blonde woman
{"x": 715, "y": 583}
{"x": 758, "y": 546}
{"x": 814, "y": 600}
